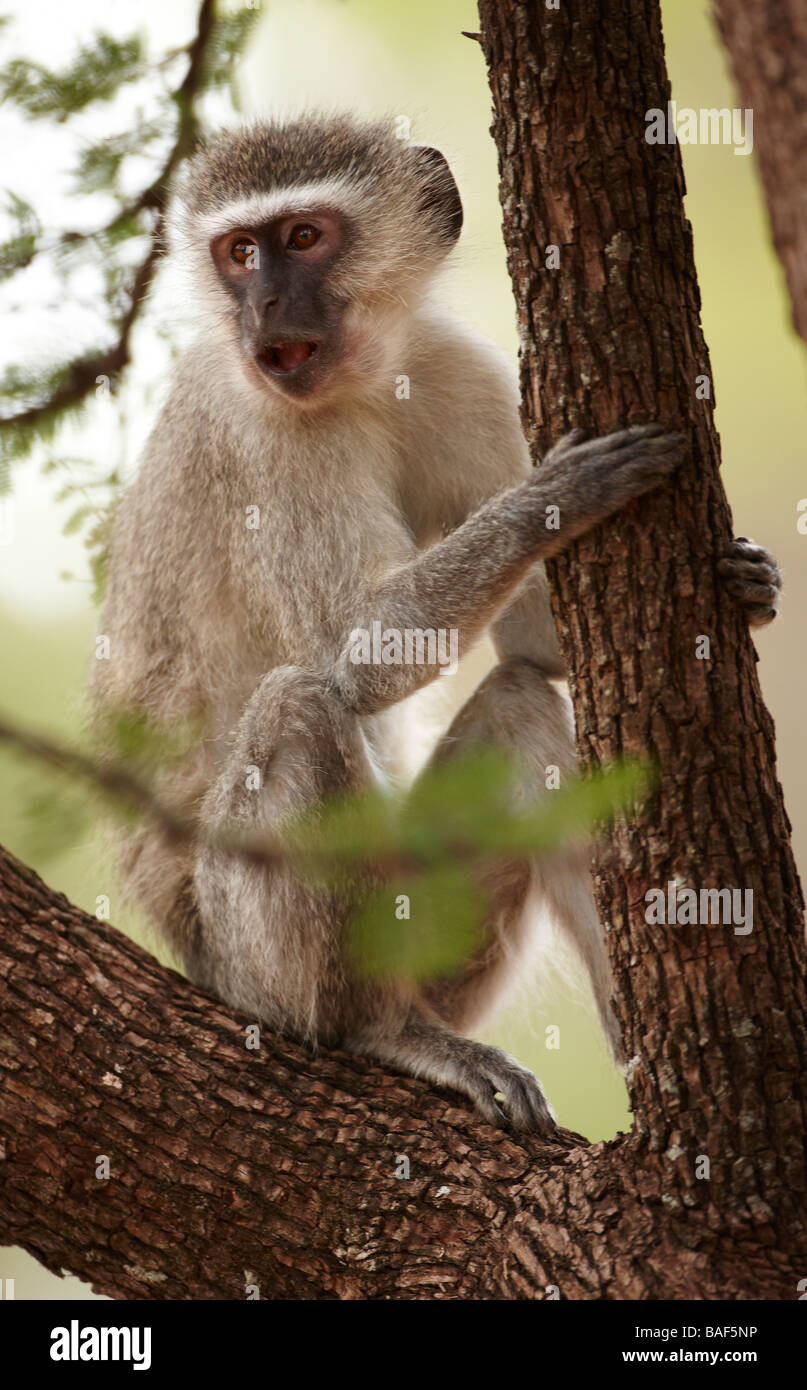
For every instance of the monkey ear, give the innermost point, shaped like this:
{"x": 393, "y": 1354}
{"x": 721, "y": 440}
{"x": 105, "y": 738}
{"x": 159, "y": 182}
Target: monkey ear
{"x": 440, "y": 196}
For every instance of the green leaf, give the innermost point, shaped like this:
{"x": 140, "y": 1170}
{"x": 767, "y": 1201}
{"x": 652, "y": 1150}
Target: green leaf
{"x": 227, "y": 40}
{"x": 354, "y": 828}
{"x": 96, "y": 73}
{"x": 144, "y": 745}
{"x": 444, "y": 928}
{"x": 99, "y": 164}
{"x": 568, "y": 814}
{"x": 432, "y": 845}
{"x": 20, "y": 249}
{"x": 98, "y": 540}
{"x": 76, "y": 520}
{"x": 458, "y": 802}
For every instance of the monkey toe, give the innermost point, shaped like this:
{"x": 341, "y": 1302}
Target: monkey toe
{"x": 760, "y": 614}
{"x": 753, "y": 578}
{"x": 523, "y": 1101}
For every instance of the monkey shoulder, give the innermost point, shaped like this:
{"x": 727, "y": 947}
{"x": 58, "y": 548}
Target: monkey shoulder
{"x": 166, "y": 559}
{"x": 465, "y": 442}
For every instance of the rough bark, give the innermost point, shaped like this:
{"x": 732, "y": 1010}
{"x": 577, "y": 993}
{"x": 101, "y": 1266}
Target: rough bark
{"x": 766, "y": 42}
{"x": 230, "y": 1167}
{"x": 715, "y": 1020}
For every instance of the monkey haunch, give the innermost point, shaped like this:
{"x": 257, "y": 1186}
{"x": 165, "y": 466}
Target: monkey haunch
{"x": 310, "y": 249}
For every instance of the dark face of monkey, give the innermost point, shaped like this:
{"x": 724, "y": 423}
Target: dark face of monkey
{"x": 282, "y": 275}
{"x": 322, "y": 235}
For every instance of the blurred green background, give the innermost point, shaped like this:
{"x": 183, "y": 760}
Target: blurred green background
{"x": 411, "y": 60}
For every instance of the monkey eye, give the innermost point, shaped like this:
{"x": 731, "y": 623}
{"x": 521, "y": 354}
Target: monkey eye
{"x": 303, "y": 237}
{"x": 244, "y": 251}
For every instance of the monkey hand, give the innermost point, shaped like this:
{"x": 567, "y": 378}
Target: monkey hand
{"x": 753, "y": 578}
{"x": 589, "y": 479}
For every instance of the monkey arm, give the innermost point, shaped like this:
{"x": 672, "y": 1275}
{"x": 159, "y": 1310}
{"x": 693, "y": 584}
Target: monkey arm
{"x": 457, "y": 585}
{"x": 464, "y": 581}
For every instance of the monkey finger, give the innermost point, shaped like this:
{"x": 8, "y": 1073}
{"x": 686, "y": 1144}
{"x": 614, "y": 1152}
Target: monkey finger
{"x": 639, "y": 469}
{"x": 663, "y": 452}
{"x": 751, "y": 592}
{"x": 635, "y": 435}
{"x": 673, "y": 446}
{"x": 483, "y": 1094}
{"x": 745, "y": 546}
{"x": 502, "y": 1115}
{"x": 563, "y": 446}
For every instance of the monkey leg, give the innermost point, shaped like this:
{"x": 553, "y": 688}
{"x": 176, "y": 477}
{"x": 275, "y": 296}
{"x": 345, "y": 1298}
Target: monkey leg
{"x": 267, "y": 937}
{"x": 271, "y": 943}
{"x": 517, "y": 710}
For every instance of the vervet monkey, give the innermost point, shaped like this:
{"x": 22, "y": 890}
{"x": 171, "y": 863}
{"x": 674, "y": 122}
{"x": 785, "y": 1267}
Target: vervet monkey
{"x": 290, "y": 495}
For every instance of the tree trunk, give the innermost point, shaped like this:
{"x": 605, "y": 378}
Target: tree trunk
{"x": 767, "y": 45}
{"x": 230, "y": 1168}
{"x": 715, "y": 1020}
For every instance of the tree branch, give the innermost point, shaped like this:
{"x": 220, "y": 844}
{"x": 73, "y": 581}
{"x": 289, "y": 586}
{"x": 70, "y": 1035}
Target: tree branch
{"x": 82, "y": 374}
{"x": 766, "y": 41}
{"x": 123, "y": 786}
{"x": 611, "y": 335}
{"x": 229, "y": 1167}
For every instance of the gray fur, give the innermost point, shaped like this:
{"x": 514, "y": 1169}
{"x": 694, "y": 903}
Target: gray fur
{"x": 421, "y": 512}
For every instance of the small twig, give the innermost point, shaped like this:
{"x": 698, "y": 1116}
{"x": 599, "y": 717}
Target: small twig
{"x": 122, "y": 785}
{"x": 116, "y": 781}
{"x": 83, "y": 373}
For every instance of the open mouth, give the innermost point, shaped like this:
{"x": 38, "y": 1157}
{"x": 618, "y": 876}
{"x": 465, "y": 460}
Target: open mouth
{"x": 282, "y": 358}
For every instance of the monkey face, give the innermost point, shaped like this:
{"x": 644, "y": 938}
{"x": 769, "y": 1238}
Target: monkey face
{"x": 314, "y": 240}
{"x": 283, "y": 278}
